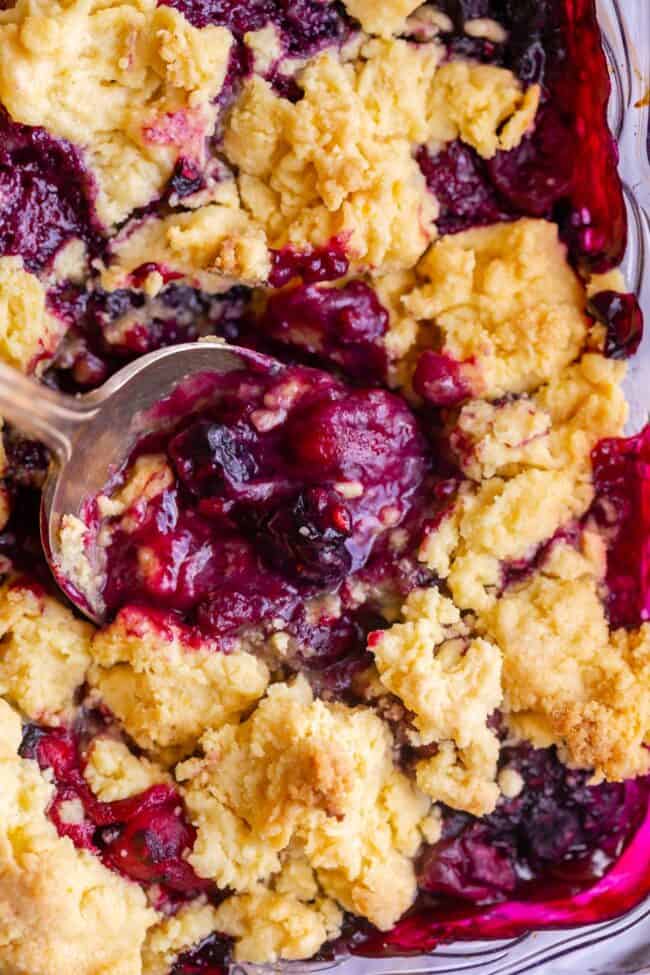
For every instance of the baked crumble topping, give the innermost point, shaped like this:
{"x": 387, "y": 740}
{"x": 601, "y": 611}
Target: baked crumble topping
{"x": 377, "y": 640}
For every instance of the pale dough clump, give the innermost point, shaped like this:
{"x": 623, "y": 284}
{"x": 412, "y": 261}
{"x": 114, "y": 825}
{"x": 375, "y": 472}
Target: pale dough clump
{"x": 211, "y": 248}
{"x": 315, "y": 778}
{"x": 451, "y": 682}
{"x": 165, "y": 690}
{"x": 500, "y": 301}
{"x": 28, "y": 333}
{"x": 44, "y": 652}
{"x": 539, "y": 449}
{"x": 324, "y": 167}
{"x": 554, "y": 429}
{"x": 128, "y": 81}
{"x": 113, "y": 772}
{"x": 566, "y": 678}
{"x": 290, "y": 921}
{"x": 483, "y": 105}
{"x": 340, "y": 163}
{"x": 503, "y": 521}
{"x": 61, "y": 910}
{"x": 386, "y": 18}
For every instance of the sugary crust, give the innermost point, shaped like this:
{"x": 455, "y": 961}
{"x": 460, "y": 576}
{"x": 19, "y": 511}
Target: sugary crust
{"x": 113, "y": 772}
{"x": 165, "y": 692}
{"x": 44, "y": 652}
{"x": 333, "y": 165}
{"x": 306, "y": 809}
{"x": 384, "y": 19}
{"x": 61, "y": 910}
{"x": 506, "y": 304}
{"x": 319, "y": 777}
{"x": 28, "y": 333}
{"x": 211, "y": 248}
{"x": 131, "y": 82}
{"x": 270, "y": 924}
{"x": 540, "y": 447}
{"x": 451, "y": 682}
{"x": 176, "y": 934}
{"x": 566, "y": 678}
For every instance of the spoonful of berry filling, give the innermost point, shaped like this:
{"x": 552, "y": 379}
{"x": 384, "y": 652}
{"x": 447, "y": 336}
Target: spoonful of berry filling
{"x": 202, "y": 471}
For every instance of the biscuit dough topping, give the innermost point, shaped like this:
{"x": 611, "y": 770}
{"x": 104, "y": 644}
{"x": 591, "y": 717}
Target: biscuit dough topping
{"x": 377, "y": 650}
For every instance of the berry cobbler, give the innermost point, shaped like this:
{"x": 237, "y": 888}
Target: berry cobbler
{"x": 375, "y": 671}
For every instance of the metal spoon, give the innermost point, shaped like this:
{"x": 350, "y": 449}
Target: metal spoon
{"x": 91, "y": 435}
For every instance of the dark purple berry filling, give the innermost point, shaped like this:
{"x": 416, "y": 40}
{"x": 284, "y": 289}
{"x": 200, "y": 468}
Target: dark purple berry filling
{"x": 439, "y": 380}
{"x": 623, "y": 320}
{"x": 283, "y": 488}
{"x": 317, "y": 264}
{"x": 622, "y": 509}
{"x": 558, "y": 835}
{"x": 458, "y": 178}
{"x": 46, "y": 195}
{"x": 545, "y": 858}
{"x": 142, "y": 838}
{"x": 210, "y": 957}
{"x": 342, "y": 327}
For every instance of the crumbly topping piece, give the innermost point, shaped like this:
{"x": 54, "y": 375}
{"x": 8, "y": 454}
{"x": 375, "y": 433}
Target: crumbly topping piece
{"x": 586, "y": 403}
{"x": 540, "y": 448}
{"x": 503, "y": 521}
{"x": 310, "y": 775}
{"x": 339, "y": 163}
{"x": 148, "y": 478}
{"x": 176, "y": 934}
{"x": 113, "y": 772}
{"x": 451, "y": 682}
{"x": 501, "y": 438}
{"x": 73, "y": 561}
{"x": 554, "y": 429}
{"x": 566, "y": 679}
{"x": 335, "y": 164}
{"x": 166, "y": 690}
{"x": 501, "y": 301}
{"x": 481, "y": 104}
{"x": 211, "y": 248}
{"x": 130, "y": 82}
{"x": 384, "y": 18}
{"x": 28, "y": 333}
{"x": 44, "y": 652}
{"x": 290, "y": 921}
{"x": 462, "y": 778}
{"x": 61, "y": 910}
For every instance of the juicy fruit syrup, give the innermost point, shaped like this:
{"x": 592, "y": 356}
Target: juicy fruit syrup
{"x": 529, "y": 180}
{"x": 542, "y": 859}
{"x": 46, "y": 195}
{"x": 142, "y": 838}
{"x": 281, "y": 491}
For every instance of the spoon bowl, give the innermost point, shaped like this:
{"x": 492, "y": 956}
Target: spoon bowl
{"x": 90, "y": 437}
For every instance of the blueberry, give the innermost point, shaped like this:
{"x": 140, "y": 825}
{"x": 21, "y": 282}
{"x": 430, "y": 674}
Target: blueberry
{"x": 306, "y": 540}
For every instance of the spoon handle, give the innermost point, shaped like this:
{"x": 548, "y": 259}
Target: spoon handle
{"x": 39, "y": 412}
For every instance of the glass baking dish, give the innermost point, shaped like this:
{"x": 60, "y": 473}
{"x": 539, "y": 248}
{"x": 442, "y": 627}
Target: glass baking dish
{"x": 620, "y": 946}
